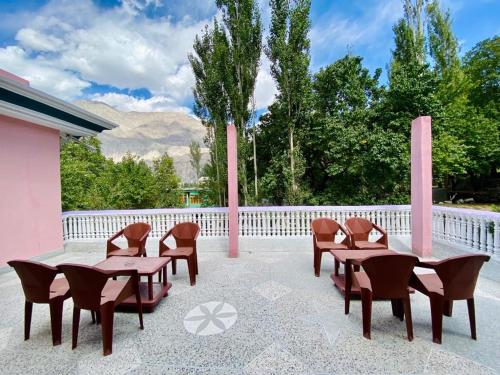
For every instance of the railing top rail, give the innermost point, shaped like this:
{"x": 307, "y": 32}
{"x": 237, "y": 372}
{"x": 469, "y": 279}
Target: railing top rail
{"x": 147, "y": 211}
{"x": 467, "y": 212}
{"x": 322, "y": 208}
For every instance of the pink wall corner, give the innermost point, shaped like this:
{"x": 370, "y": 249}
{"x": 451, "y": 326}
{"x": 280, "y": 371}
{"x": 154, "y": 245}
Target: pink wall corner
{"x": 232, "y": 182}
{"x": 30, "y": 190}
{"x": 421, "y": 186}
{"x": 13, "y": 77}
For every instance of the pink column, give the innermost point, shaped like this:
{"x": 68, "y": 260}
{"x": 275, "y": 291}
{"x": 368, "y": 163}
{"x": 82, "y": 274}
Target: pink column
{"x": 232, "y": 188}
{"x": 421, "y": 186}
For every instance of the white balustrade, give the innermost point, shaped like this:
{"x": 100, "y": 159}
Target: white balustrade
{"x": 479, "y": 230}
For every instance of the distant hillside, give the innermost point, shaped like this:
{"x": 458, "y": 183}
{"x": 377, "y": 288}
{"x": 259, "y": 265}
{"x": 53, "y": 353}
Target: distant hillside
{"x": 149, "y": 135}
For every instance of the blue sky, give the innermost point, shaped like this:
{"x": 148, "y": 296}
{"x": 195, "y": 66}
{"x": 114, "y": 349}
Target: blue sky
{"x": 132, "y": 54}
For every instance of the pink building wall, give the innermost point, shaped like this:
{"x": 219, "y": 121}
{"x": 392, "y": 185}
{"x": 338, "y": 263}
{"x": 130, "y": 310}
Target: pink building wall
{"x": 30, "y": 190}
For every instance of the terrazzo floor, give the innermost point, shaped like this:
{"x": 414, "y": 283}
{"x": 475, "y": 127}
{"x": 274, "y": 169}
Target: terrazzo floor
{"x": 263, "y": 313}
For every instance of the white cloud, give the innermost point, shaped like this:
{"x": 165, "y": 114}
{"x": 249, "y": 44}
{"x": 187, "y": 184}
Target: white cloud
{"x": 265, "y": 87}
{"x": 127, "y": 103}
{"x": 116, "y": 46}
{"x": 43, "y": 76}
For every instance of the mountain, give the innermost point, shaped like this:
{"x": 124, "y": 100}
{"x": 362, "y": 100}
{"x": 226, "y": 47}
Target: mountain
{"x": 149, "y": 135}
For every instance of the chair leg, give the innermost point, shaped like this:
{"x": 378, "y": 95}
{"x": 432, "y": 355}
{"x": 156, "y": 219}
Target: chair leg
{"x": 56, "y": 312}
{"x": 437, "y": 318}
{"x": 336, "y": 267}
{"x": 317, "y": 263}
{"x": 196, "y": 261}
{"x": 191, "y": 270}
{"x": 397, "y": 308}
{"x": 366, "y": 306}
{"x": 139, "y": 306}
{"x": 28, "y": 311}
{"x": 448, "y": 308}
{"x": 472, "y": 318}
{"x": 408, "y": 319}
{"x": 174, "y": 266}
{"x": 98, "y": 317}
{"x": 107, "y": 316}
{"x": 76, "y": 325}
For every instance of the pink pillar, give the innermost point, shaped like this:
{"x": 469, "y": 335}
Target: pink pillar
{"x": 421, "y": 186}
{"x": 232, "y": 188}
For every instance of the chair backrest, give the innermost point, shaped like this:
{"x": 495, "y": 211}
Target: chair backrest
{"x": 36, "y": 279}
{"x": 324, "y": 229}
{"x": 360, "y": 228}
{"x": 134, "y": 232}
{"x": 185, "y": 234}
{"x": 459, "y": 275}
{"x": 389, "y": 274}
{"x": 86, "y": 284}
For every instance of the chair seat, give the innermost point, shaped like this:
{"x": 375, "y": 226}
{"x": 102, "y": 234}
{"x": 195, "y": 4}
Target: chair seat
{"x": 130, "y": 252}
{"x": 178, "y": 252}
{"x": 431, "y": 282}
{"x": 59, "y": 287}
{"x": 367, "y": 245}
{"x": 328, "y": 245}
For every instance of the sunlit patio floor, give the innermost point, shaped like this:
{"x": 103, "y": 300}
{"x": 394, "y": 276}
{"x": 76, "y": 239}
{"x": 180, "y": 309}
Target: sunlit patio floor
{"x": 270, "y": 315}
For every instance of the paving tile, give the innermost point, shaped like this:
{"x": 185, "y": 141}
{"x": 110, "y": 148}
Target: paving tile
{"x": 275, "y": 360}
{"x": 271, "y": 290}
{"x": 442, "y": 362}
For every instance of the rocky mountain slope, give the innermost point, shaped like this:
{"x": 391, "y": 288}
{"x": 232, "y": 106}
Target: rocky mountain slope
{"x": 149, "y": 135}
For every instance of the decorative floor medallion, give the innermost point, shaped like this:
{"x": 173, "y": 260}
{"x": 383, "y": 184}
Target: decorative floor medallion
{"x": 210, "y": 318}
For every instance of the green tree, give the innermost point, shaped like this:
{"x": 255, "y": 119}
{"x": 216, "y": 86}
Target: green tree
{"x": 242, "y": 38}
{"x": 288, "y": 50}
{"x": 82, "y": 163}
{"x": 211, "y": 106}
{"x": 166, "y": 182}
{"x": 133, "y": 184}
{"x": 195, "y": 158}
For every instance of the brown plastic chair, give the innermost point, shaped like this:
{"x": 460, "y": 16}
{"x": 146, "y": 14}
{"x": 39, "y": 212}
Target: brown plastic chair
{"x": 359, "y": 229}
{"x": 136, "y": 235}
{"x": 185, "y": 235}
{"x": 386, "y": 276}
{"x": 92, "y": 289}
{"x": 324, "y": 231}
{"x": 455, "y": 279}
{"x": 41, "y": 286}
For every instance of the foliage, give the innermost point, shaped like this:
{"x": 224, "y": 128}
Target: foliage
{"x": 288, "y": 50}
{"x": 90, "y": 181}
{"x": 195, "y": 155}
{"x": 166, "y": 182}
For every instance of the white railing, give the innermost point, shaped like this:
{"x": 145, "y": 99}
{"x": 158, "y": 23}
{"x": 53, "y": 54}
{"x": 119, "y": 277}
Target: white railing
{"x": 479, "y": 230}
{"x": 87, "y": 225}
{"x": 295, "y": 221}
{"x": 253, "y": 221}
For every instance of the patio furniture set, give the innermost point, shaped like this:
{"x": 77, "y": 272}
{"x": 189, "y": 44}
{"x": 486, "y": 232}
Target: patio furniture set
{"x": 98, "y": 289}
{"x": 390, "y": 275}
{"x": 371, "y": 271}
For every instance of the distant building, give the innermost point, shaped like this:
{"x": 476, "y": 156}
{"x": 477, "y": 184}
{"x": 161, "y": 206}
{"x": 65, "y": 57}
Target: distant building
{"x": 193, "y": 197}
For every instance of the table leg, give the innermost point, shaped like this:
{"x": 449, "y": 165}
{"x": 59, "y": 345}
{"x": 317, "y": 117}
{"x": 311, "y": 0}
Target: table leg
{"x": 348, "y": 285}
{"x": 164, "y": 275}
{"x": 150, "y": 287}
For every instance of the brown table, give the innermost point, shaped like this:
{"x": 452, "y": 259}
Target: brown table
{"x": 349, "y": 258}
{"x": 151, "y": 292}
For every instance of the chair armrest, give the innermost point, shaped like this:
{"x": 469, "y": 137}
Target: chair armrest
{"x": 143, "y": 238}
{"x": 347, "y": 239}
{"x": 197, "y": 234}
{"x": 166, "y": 235}
{"x": 382, "y": 231}
{"x": 110, "y": 246}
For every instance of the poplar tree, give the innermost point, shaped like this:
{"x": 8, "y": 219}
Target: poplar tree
{"x": 288, "y": 50}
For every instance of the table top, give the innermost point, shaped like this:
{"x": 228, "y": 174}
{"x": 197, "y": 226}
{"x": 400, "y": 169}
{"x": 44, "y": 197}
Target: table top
{"x": 344, "y": 255}
{"x": 145, "y": 266}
